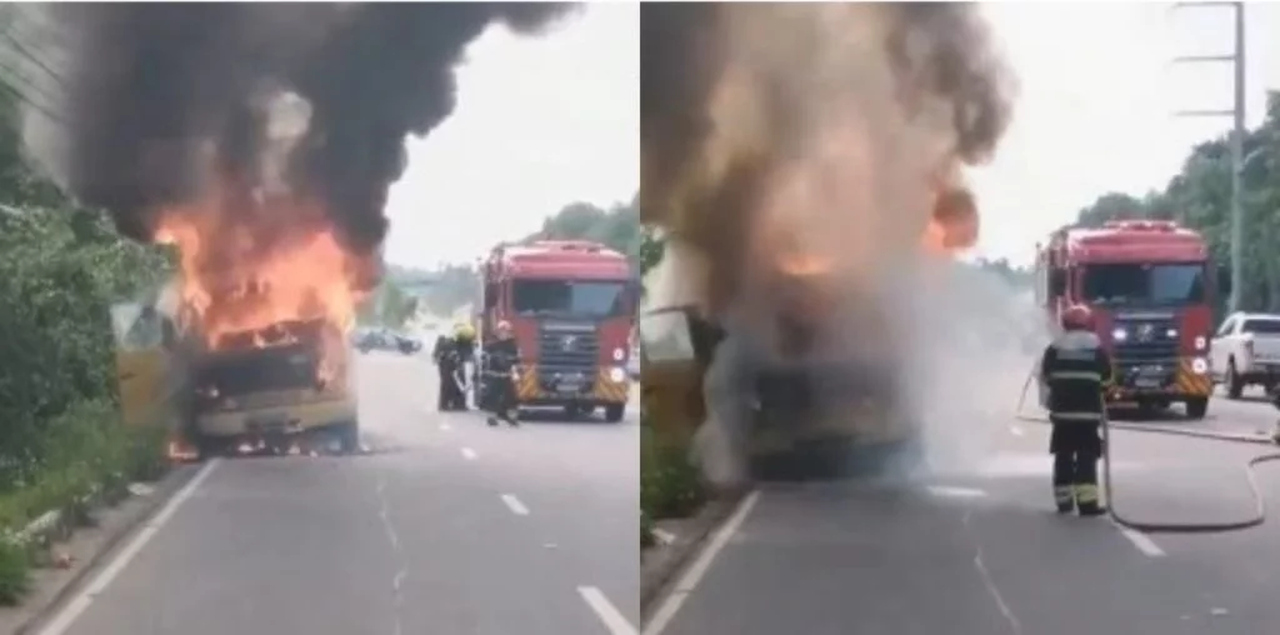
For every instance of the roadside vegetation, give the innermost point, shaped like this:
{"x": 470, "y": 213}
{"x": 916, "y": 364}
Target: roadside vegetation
{"x": 63, "y": 445}
{"x": 671, "y": 485}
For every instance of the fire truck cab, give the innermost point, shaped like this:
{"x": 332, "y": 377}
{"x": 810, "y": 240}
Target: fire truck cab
{"x": 1150, "y": 285}
{"x": 572, "y": 307}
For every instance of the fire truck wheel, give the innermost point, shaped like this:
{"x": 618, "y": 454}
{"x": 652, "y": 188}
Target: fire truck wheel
{"x": 1196, "y": 408}
{"x": 614, "y": 412}
{"x": 1235, "y": 387}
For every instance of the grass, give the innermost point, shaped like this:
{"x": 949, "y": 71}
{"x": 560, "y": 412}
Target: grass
{"x": 671, "y": 486}
{"x": 87, "y": 450}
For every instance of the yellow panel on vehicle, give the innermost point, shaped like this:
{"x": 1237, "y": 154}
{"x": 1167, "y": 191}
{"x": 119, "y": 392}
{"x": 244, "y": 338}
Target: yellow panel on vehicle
{"x": 1189, "y": 383}
{"x": 527, "y": 386}
{"x": 610, "y": 391}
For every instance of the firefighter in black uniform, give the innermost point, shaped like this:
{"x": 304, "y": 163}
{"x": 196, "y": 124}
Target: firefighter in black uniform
{"x": 1076, "y": 371}
{"x": 501, "y": 358}
{"x": 451, "y": 356}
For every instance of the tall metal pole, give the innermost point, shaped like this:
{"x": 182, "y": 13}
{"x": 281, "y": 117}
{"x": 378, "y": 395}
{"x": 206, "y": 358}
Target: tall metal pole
{"x": 1237, "y": 113}
{"x": 1237, "y": 166}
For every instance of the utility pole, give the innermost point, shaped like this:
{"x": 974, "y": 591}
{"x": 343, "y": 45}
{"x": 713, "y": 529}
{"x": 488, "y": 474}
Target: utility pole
{"x": 1237, "y": 138}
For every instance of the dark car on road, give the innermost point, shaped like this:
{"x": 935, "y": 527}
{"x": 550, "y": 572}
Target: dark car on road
{"x": 385, "y": 340}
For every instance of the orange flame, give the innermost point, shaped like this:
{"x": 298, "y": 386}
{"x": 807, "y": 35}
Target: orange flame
{"x": 253, "y": 264}
{"x": 953, "y": 226}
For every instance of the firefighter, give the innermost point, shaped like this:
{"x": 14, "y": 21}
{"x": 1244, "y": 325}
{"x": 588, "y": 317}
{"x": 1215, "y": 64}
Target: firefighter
{"x": 502, "y": 357}
{"x": 451, "y": 356}
{"x": 1077, "y": 372}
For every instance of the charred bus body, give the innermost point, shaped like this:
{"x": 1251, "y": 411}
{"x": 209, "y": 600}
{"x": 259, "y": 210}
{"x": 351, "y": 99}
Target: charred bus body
{"x": 821, "y": 374}
{"x": 270, "y": 388}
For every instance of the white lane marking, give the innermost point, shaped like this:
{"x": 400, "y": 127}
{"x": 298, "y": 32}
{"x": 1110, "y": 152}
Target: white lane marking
{"x": 1017, "y": 431}
{"x": 1143, "y": 542}
{"x": 515, "y": 505}
{"x": 469, "y": 454}
{"x": 78, "y": 604}
{"x": 613, "y": 620}
{"x": 689, "y": 581}
{"x": 956, "y": 492}
{"x": 446, "y": 427}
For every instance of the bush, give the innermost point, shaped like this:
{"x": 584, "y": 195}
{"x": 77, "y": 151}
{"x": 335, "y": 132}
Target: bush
{"x": 15, "y": 573}
{"x": 670, "y": 485}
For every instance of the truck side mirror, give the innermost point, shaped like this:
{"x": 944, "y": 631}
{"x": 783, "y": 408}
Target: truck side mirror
{"x": 1057, "y": 282}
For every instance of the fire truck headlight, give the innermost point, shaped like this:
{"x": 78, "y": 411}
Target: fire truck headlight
{"x": 1199, "y": 366}
{"x": 1201, "y": 343}
{"x": 1120, "y": 335}
{"x": 617, "y": 375}
{"x": 619, "y": 354}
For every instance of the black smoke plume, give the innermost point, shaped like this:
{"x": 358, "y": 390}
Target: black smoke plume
{"x": 154, "y": 95}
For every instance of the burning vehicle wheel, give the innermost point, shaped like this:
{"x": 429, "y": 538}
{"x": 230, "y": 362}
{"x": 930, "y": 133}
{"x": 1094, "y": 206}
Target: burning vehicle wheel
{"x": 613, "y": 413}
{"x": 210, "y": 447}
{"x": 348, "y": 436}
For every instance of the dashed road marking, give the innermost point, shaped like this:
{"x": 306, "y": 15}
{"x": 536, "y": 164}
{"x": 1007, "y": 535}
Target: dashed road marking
{"x": 469, "y": 454}
{"x": 446, "y": 427}
{"x": 956, "y": 492}
{"x": 689, "y": 581}
{"x": 613, "y": 620}
{"x": 72, "y": 610}
{"x": 515, "y": 505}
{"x": 1143, "y": 542}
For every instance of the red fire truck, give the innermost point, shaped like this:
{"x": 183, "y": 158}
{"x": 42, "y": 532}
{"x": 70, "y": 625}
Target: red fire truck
{"x": 572, "y": 306}
{"x": 1151, "y": 286}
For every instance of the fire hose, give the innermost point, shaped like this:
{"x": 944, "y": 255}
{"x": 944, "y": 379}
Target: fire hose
{"x": 1260, "y": 512}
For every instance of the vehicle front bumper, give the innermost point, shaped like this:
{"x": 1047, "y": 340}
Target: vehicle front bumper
{"x": 278, "y": 420}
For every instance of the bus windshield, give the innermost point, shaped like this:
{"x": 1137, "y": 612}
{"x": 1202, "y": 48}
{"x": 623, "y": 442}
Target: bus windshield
{"x": 586, "y": 298}
{"x": 1144, "y": 284}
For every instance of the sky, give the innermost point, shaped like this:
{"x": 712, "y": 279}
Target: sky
{"x": 1096, "y": 110}
{"x": 540, "y": 122}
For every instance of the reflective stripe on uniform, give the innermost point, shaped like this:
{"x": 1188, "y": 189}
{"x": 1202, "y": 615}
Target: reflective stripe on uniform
{"x": 1077, "y": 416}
{"x": 1087, "y": 493}
{"x": 1075, "y": 374}
{"x": 1063, "y": 494}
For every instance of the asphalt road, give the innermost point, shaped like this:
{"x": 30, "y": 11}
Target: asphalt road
{"x": 981, "y": 551}
{"x": 446, "y": 526}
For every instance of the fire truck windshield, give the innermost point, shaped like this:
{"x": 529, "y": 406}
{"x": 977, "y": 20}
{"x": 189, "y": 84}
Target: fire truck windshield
{"x": 569, "y": 297}
{"x": 1143, "y": 284}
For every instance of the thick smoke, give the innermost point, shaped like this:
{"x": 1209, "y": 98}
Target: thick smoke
{"x": 805, "y": 152}
{"x": 152, "y": 98}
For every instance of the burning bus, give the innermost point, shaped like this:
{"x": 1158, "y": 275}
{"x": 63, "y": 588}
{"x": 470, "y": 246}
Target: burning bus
{"x": 269, "y": 387}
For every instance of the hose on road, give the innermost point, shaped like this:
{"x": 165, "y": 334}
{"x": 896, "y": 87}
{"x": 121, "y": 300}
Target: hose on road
{"x": 1260, "y": 514}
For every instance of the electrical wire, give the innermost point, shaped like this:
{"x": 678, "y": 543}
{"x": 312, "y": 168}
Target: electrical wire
{"x": 1260, "y": 512}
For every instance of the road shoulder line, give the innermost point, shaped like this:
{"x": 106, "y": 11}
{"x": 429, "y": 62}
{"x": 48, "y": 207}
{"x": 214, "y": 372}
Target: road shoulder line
{"x": 670, "y": 605}
{"x": 606, "y": 611}
{"x": 66, "y": 614}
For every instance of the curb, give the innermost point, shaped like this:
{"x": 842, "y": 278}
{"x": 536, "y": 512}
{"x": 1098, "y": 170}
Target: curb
{"x": 660, "y": 564}
{"x": 165, "y": 488}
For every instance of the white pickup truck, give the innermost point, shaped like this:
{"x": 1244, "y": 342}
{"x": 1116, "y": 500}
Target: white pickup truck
{"x": 1245, "y": 351}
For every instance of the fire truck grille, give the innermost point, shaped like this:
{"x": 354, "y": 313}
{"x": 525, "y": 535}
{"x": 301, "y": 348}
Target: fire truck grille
{"x": 1146, "y": 342}
{"x": 567, "y": 355}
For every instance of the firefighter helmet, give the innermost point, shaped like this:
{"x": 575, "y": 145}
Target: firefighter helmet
{"x": 502, "y": 328}
{"x": 1077, "y": 318}
{"x": 462, "y": 330}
